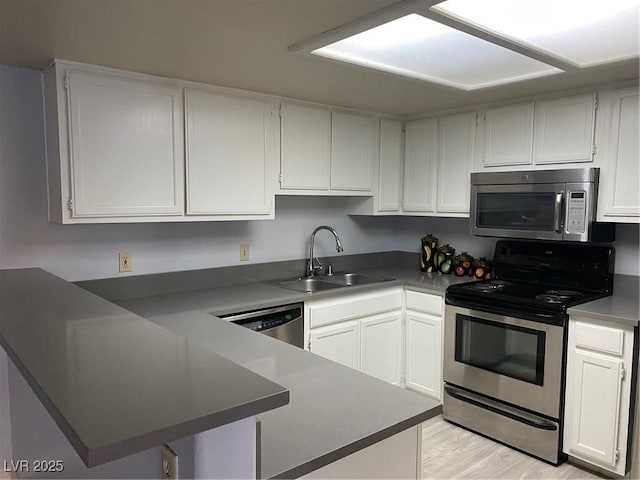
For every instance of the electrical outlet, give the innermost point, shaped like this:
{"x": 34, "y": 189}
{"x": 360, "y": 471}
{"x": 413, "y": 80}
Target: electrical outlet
{"x": 169, "y": 464}
{"x": 124, "y": 261}
{"x": 244, "y": 252}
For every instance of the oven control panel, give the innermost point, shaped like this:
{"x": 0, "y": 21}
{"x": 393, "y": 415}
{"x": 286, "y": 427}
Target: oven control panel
{"x": 576, "y": 212}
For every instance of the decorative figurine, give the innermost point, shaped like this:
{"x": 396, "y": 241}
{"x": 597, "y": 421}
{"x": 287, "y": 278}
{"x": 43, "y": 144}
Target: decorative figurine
{"x": 482, "y": 268}
{"x": 427, "y": 253}
{"x": 462, "y": 264}
{"x": 444, "y": 258}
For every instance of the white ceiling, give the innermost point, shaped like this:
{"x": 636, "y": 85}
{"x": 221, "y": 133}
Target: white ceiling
{"x": 243, "y": 44}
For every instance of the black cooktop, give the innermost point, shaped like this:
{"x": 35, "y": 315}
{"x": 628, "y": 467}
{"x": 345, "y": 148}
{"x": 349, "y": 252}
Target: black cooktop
{"x": 539, "y": 280}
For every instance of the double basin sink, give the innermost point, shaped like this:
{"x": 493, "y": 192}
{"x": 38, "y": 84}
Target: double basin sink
{"x": 328, "y": 282}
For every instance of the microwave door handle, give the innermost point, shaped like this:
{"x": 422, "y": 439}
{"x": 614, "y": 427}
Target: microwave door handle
{"x": 558, "y": 212}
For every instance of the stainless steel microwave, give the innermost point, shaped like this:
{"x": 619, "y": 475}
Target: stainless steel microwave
{"x": 542, "y": 204}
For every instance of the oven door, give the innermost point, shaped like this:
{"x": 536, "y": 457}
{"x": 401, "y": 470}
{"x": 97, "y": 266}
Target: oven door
{"x": 520, "y": 211}
{"x": 512, "y": 360}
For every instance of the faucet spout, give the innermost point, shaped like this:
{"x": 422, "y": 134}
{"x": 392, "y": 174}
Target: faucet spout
{"x": 313, "y": 264}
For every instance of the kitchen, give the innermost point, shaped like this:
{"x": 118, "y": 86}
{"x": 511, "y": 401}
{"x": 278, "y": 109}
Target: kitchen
{"x": 84, "y": 252}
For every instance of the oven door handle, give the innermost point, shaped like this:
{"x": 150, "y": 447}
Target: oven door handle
{"x": 501, "y": 409}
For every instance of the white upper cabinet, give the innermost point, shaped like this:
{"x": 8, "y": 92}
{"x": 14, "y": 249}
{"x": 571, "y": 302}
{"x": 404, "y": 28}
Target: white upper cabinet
{"x": 325, "y": 151}
{"x": 439, "y": 155}
{"x": 564, "y": 129}
{"x": 457, "y": 136}
{"x": 619, "y": 156}
{"x": 305, "y": 155}
{"x": 353, "y": 142}
{"x": 230, "y": 154}
{"x": 508, "y": 135}
{"x": 117, "y": 143}
{"x": 420, "y": 163}
{"x": 390, "y": 171}
{"x": 114, "y": 145}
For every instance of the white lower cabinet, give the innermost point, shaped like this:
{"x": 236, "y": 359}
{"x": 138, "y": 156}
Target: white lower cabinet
{"x": 424, "y": 354}
{"x": 340, "y": 343}
{"x": 372, "y": 333}
{"x": 423, "y": 343}
{"x": 362, "y": 331}
{"x": 598, "y": 393}
{"x": 381, "y": 346}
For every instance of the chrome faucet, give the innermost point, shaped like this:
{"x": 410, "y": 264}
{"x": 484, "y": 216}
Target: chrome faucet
{"x": 313, "y": 264}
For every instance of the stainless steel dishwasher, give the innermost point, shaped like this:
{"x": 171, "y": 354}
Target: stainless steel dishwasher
{"x": 285, "y": 322}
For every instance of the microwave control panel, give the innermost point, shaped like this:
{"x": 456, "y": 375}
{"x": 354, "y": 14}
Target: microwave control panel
{"x": 576, "y": 212}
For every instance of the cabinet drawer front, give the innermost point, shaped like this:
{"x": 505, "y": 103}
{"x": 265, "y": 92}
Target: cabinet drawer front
{"x": 424, "y": 302}
{"x": 353, "y": 306}
{"x": 599, "y": 338}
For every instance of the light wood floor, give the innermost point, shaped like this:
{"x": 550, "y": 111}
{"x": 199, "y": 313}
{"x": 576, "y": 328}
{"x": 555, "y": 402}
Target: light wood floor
{"x": 451, "y": 452}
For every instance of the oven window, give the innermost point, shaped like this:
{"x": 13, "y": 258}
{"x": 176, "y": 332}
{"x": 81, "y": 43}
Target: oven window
{"x": 505, "y": 349}
{"x": 516, "y": 211}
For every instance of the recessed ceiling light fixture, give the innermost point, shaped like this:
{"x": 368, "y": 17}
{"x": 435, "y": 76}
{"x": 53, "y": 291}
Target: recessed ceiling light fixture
{"x": 472, "y": 44}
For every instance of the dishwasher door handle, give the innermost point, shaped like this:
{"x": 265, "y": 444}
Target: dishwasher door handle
{"x": 236, "y": 317}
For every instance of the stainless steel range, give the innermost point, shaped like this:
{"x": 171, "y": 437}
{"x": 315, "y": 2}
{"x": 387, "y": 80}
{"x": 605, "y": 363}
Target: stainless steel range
{"x": 505, "y": 341}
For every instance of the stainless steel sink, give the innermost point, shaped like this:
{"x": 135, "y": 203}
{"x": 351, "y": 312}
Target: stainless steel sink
{"x": 309, "y": 285}
{"x": 350, "y": 279}
{"x": 328, "y": 282}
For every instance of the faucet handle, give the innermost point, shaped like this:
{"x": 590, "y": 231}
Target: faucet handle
{"x": 313, "y": 266}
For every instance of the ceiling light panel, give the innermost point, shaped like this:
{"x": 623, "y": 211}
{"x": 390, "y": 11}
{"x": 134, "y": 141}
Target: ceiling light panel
{"x": 417, "y": 47}
{"x": 587, "y": 32}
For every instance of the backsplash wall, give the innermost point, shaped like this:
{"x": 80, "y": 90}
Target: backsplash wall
{"x": 80, "y": 252}
{"x": 455, "y": 231}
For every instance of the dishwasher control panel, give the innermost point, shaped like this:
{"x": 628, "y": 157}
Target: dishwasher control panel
{"x": 284, "y": 322}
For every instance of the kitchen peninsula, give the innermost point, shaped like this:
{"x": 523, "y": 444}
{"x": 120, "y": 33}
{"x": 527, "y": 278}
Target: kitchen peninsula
{"x": 116, "y": 384}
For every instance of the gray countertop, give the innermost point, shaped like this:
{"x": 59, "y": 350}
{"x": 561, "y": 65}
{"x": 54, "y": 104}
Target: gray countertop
{"x": 256, "y": 295}
{"x": 621, "y": 307}
{"x": 115, "y": 383}
{"x": 334, "y": 411}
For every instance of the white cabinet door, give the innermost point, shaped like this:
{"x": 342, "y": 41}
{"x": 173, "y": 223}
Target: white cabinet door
{"x": 593, "y": 414}
{"x": 230, "y": 153}
{"x": 390, "y": 178}
{"x": 424, "y": 353}
{"x": 353, "y": 146}
{"x": 456, "y": 135}
{"x": 340, "y": 343}
{"x": 420, "y": 162}
{"x": 381, "y": 346}
{"x": 305, "y": 147}
{"x": 598, "y": 392}
{"x": 508, "y": 135}
{"x": 619, "y": 153}
{"x": 564, "y": 129}
{"x": 126, "y": 149}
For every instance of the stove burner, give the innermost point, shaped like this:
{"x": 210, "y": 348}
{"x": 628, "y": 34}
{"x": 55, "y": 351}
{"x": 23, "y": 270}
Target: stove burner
{"x": 557, "y": 296}
{"x": 494, "y": 286}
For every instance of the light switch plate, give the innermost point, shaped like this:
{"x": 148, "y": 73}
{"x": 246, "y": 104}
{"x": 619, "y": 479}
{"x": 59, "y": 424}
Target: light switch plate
{"x": 169, "y": 464}
{"x": 124, "y": 262}
{"x": 244, "y": 252}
